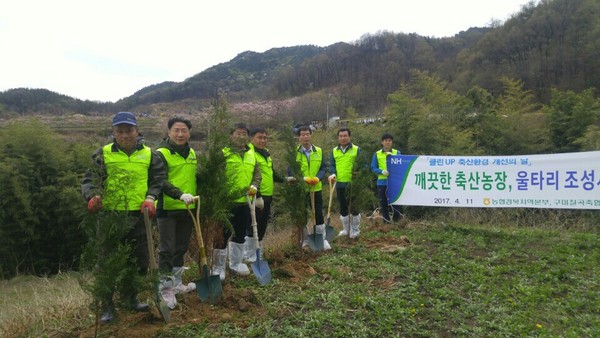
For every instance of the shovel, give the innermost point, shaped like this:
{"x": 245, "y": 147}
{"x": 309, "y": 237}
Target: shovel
{"x": 315, "y": 241}
{"x": 260, "y": 268}
{"x": 208, "y": 287}
{"x": 163, "y": 308}
{"x": 330, "y": 230}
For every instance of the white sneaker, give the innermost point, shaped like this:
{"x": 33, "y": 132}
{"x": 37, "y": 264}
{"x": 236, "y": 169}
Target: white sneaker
{"x": 326, "y": 245}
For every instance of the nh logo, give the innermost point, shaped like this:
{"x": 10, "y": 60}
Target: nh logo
{"x": 395, "y": 160}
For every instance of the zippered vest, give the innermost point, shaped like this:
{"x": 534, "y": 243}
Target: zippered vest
{"x": 344, "y": 162}
{"x": 310, "y": 168}
{"x": 381, "y": 161}
{"x": 127, "y": 181}
{"x": 266, "y": 171}
{"x": 182, "y": 174}
{"x": 239, "y": 171}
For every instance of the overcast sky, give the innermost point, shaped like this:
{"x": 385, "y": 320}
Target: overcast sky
{"x": 107, "y": 50}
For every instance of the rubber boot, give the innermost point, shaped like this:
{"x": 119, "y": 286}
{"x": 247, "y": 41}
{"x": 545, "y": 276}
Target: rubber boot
{"x": 177, "y": 281}
{"x": 320, "y": 229}
{"x": 305, "y": 244}
{"x": 346, "y": 224}
{"x": 249, "y": 250}
{"x": 355, "y": 226}
{"x": 108, "y": 314}
{"x": 218, "y": 262}
{"x": 236, "y": 254}
{"x": 167, "y": 291}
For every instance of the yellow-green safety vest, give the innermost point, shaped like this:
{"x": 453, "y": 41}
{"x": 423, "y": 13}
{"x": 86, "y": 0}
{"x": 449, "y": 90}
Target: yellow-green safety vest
{"x": 182, "y": 174}
{"x": 381, "y": 161}
{"x": 344, "y": 162}
{"x": 239, "y": 171}
{"x": 311, "y": 168}
{"x": 127, "y": 181}
{"x": 266, "y": 171}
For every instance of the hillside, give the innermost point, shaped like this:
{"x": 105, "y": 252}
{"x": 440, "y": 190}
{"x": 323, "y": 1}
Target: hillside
{"x": 553, "y": 44}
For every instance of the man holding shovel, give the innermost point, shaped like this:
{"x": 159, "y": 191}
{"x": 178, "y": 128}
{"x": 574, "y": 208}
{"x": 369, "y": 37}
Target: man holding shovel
{"x": 174, "y": 224}
{"x": 264, "y": 197}
{"x": 312, "y": 166}
{"x": 243, "y": 179}
{"x": 342, "y": 169}
{"x": 126, "y": 179}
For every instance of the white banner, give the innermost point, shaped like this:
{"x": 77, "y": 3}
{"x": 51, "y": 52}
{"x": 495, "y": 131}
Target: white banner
{"x": 561, "y": 181}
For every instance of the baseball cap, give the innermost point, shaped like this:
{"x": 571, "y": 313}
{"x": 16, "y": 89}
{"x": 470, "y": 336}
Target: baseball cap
{"x": 124, "y": 117}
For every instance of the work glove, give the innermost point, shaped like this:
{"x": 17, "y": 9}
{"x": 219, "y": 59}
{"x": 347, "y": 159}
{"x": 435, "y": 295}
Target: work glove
{"x": 311, "y": 180}
{"x": 187, "y": 199}
{"x": 332, "y": 178}
{"x": 252, "y": 190}
{"x": 385, "y": 172}
{"x": 290, "y": 179}
{"x": 149, "y": 203}
{"x": 94, "y": 204}
{"x": 259, "y": 203}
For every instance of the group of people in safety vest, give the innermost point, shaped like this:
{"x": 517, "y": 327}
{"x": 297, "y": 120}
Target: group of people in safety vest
{"x": 128, "y": 177}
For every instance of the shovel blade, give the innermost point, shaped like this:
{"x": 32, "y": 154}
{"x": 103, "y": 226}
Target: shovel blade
{"x": 329, "y": 232}
{"x": 209, "y": 287}
{"x": 261, "y": 269}
{"x": 163, "y": 308}
{"x": 315, "y": 241}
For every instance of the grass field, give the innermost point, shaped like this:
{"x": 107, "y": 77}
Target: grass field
{"x": 423, "y": 280}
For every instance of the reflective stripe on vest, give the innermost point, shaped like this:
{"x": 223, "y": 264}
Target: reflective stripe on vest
{"x": 266, "y": 171}
{"x": 182, "y": 174}
{"x": 239, "y": 172}
{"x": 127, "y": 181}
{"x": 344, "y": 162}
{"x": 381, "y": 161}
{"x": 310, "y": 169}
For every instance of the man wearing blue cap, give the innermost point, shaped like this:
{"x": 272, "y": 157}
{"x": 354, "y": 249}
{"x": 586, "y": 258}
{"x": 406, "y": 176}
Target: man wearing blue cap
{"x": 126, "y": 178}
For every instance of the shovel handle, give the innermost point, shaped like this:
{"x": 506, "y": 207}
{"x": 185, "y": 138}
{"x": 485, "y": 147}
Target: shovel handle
{"x": 331, "y": 190}
{"x": 252, "y": 206}
{"x": 150, "y": 241}
{"x": 196, "y": 220}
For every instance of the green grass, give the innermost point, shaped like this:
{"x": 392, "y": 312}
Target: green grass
{"x": 452, "y": 280}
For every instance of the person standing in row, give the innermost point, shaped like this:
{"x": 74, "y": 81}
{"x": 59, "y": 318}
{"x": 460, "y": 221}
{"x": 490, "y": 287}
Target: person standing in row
{"x": 127, "y": 178}
{"x": 379, "y": 168}
{"x": 243, "y": 175}
{"x": 264, "y": 197}
{"x": 174, "y": 222}
{"x": 312, "y": 164}
{"x": 342, "y": 168}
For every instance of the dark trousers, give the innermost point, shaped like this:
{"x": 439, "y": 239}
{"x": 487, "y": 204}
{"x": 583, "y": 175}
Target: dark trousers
{"x": 174, "y": 231}
{"x": 384, "y": 205}
{"x": 129, "y": 283}
{"x": 318, "y": 207}
{"x": 344, "y": 200}
{"x": 240, "y": 219}
{"x": 262, "y": 219}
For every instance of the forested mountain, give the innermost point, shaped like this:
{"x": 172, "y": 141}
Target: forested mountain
{"x": 551, "y": 44}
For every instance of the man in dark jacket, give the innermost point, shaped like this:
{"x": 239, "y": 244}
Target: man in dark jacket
{"x": 126, "y": 179}
{"x": 174, "y": 222}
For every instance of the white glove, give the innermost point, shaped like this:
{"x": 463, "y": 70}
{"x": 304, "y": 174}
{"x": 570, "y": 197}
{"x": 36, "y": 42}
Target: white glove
{"x": 260, "y": 203}
{"x": 385, "y": 172}
{"x": 187, "y": 199}
{"x": 290, "y": 179}
{"x": 331, "y": 178}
